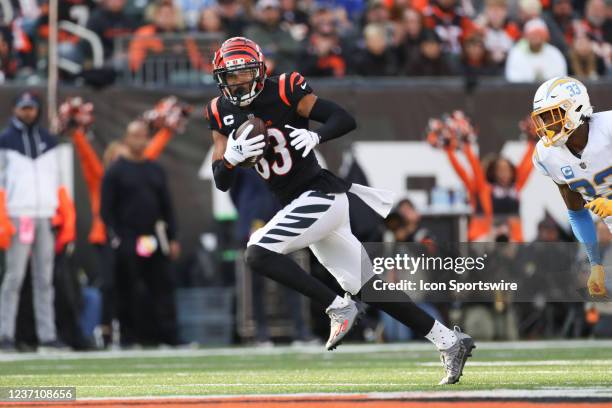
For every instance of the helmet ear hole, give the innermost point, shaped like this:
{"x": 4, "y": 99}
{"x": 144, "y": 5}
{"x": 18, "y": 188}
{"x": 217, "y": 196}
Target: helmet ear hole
{"x": 579, "y": 108}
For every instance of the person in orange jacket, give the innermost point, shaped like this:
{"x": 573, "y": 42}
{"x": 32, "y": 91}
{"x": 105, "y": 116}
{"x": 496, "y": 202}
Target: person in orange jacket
{"x": 168, "y": 117}
{"x": 493, "y": 191}
{"x": 37, "y": 218}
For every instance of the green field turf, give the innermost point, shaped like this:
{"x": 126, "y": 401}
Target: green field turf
{"x": 409, "y": 367}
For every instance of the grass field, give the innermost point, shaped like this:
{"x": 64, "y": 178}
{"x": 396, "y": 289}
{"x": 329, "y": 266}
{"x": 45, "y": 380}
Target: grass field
{"x": 572, "y": 371}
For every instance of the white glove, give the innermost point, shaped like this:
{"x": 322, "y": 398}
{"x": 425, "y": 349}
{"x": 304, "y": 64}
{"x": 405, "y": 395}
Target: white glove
{"x": 241, "y": 148}
{"x": 303, "y": 139}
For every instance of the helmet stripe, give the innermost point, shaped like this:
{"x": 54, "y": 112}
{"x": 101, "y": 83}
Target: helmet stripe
{"x": 239, "y": 52}
{"x": 559, "y": 81}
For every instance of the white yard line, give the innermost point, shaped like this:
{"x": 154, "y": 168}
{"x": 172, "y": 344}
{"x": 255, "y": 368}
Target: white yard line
{"x": 514, "y": 363}
{"x": 604, "y": 393}
{"x": 283, "y": 350}
{"x": 561, "y": 392}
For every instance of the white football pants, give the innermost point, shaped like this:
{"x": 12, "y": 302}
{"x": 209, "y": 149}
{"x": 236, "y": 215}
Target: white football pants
{"x": 321, "y": 222}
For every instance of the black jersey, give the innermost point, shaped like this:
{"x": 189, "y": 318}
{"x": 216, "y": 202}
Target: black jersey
{"x": 287, "y": 173}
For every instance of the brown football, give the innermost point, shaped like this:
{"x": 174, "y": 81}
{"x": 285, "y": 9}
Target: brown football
{"x": 259, "y": 128}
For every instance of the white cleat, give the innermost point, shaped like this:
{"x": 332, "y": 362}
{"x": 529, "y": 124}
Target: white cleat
{"x": 343, "y": 319}
{"x": 454, "y": 358}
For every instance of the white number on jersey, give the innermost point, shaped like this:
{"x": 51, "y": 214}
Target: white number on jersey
{"x": 281, "y": 165}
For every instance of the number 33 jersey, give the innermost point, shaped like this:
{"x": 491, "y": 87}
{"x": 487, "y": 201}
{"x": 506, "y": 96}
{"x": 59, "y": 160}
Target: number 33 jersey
{"x": 591, "y": 173}
{"x": 287, "y": 173}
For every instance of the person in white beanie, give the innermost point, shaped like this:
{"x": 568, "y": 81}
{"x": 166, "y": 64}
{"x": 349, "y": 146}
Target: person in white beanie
{"x": 533, "y": 59}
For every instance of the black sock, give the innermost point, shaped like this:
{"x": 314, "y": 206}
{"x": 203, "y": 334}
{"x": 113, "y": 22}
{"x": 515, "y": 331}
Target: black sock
{"x": 403, "y": 309}
{"x": 284, "y": 270}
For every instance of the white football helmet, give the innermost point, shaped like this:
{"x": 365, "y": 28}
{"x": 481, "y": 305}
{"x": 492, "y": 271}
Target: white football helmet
{"x": 560, "y": 106}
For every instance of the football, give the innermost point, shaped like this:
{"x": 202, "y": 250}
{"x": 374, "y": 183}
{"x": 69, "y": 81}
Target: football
{"x": 259, "y": 128}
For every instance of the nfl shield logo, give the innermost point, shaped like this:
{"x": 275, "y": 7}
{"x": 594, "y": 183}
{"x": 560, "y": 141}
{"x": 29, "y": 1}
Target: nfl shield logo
{"x": 567, "y": 171}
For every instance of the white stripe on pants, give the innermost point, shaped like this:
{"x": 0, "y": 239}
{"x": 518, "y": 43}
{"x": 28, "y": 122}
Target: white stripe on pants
{"x": 16, "y": 258}
{"x": 321, "y": 222}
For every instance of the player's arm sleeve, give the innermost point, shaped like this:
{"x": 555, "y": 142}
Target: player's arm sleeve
{"x": 584, "y": 230}
{"x": 336, "y": 121}
{"x": 223, "y": 174}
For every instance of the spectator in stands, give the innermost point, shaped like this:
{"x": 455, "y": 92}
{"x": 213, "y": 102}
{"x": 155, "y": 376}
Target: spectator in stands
{"x": 353, "y": 8}
{"x": 137, "y": 210}
{"x": 272, "y": 36}
{"x": 166, "y": 16}
{"x": 377, "y": 58}
{"x": 377, "y": 13}
{"x": 597, "y": 22}
{"x": 233, "y": 17}
{"x": 397, "y": 8}
{"x": 583, "y": 62}
{"x": 598, "y": 27}
{"x": 327, "y": 20}
{"x": 8, "y": 64}
{"x": 209, "y": 21}
{"x": 493, "y": 188}
{"x": 295, "y": 18}
{"x": 412, "y": 31}
{"x": 533, "y": 59}
{"x": 32, "y": 200}
{"x": 192, "y": 11}
{"x": 431, "y": 61}
{"x": 135, "y": 10}
{"x": 323, "y": 54}
{"x": 405, "y": 224}
{"x": 476, "y": 61}
{"x": 528, "y": 10}
{"x": 149, "y": 40}
{"x": 506, "y": 182}
{"x": 345, "y": 27}
{"x": 323, "y": 57}
{"x": 560, "y": 22}
{"x": 500, "y": 33}
{"x": 109, "y": 22}
{"x": 449, "y": 21}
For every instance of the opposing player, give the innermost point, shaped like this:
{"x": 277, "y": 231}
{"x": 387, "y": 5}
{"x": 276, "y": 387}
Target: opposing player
{"x": 575, "y": 150}
{"x": 315, "y": 213}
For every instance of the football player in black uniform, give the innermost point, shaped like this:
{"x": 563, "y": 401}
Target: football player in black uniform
{"x": 315, "y": 212}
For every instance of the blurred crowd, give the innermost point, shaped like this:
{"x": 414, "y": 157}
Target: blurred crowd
{"x": 523, "y": 40}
